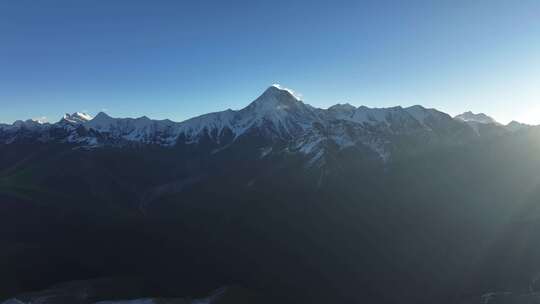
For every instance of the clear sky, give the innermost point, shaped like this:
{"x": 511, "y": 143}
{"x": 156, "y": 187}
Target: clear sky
{"x": 178, "y": 59}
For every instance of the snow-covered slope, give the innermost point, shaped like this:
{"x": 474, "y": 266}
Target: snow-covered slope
{"x": 277, "y": 112}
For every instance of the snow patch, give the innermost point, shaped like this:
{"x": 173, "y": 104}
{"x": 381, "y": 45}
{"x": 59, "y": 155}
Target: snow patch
{"x": 290, "y": 91}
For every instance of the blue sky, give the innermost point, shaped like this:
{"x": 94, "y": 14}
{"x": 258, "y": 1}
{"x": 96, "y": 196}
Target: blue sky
{"x": 178, "y": 59}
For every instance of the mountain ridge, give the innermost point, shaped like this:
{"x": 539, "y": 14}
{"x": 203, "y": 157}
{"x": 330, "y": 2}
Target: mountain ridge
{"x": 276, "y": 117}
{"x": 87, "y": 117}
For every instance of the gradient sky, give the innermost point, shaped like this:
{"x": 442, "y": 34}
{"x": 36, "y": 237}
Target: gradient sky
{"x": 178, "y": 59}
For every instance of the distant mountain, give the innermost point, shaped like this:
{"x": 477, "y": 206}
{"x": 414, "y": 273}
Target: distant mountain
{"x": 514, "y": 126}
{"x": 479, "y": 118}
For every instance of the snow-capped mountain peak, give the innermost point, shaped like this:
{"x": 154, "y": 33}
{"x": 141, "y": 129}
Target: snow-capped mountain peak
{"x": 514, "y": 126}
{"x": 76, "y": 118}
{"x": 476, "y": 118}
{"x": 279, "y": 111}
{"x": 276, "y": 112}
{"x": 290, "y": 91}
{"x": 275, "y": 98}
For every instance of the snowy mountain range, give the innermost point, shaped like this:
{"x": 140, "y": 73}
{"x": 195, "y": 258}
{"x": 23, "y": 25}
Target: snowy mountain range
{"x": 277, "y": 117}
